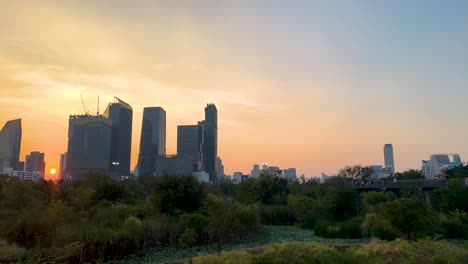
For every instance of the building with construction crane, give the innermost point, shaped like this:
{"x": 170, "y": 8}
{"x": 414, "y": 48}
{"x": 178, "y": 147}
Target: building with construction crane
{"x": 100, "y": 143}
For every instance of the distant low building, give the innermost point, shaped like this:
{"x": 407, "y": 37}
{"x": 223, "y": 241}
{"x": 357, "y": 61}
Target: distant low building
{"x": 24, "y": 175}
{"x": 290, "y": 174}
{"x": 237, "y": 177}
{"x": 201, "y": 176}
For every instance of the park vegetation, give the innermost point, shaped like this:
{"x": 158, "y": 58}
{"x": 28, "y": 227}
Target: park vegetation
{"x": 97, "y": 219}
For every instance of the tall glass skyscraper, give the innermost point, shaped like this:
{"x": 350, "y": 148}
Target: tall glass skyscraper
{"x": 210, "y": 144}
{"x": 121, "y": 115}
{"x": 89, "y": 145}
{"x": 10, "y": 145}
{"x": 388, "y": 157}
{"x": 152, "y": 140}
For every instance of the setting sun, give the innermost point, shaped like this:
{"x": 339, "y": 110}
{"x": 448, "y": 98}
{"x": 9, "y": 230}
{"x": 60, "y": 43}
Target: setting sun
{"x": 53, "y": 171}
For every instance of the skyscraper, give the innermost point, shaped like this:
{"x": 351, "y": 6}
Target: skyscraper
{"x": 189, "y": 143}
{"x": 210, "y": 142}
{"x": 89, "y": 145}
{"x": 63, "y": 165}
{"x": 35, "y": 162}
{"x": 10, "y": 145}
{"x": 219, "y": 168}
{"x": 255, "y": 171}
{"x": 388, "y": 156}
{"x": 152, "y": 140}
{"x": 121, "y": 115}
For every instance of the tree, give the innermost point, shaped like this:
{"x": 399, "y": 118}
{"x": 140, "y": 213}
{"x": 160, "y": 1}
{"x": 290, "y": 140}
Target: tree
{"x": 374, "y": 200}
{"x": 409, "y": 216}
{"x": 409, "y": 175}
{"x": 176, "y": 194}
{"x": 355, "y": 173}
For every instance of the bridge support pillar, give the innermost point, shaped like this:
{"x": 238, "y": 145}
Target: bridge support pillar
{"x": 428, "y": 199}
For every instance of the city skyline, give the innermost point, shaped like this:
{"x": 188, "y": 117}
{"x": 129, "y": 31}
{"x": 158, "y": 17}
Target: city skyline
{"x": 310, "y": 85}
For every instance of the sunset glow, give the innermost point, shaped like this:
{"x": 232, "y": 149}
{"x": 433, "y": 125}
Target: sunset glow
{"x": 304, "y": 86}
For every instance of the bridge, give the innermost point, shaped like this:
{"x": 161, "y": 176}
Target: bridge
{"x": 389, "y": 185}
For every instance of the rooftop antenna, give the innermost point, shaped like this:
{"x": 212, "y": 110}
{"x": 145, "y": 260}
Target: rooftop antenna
{"x": 84, "y": 107}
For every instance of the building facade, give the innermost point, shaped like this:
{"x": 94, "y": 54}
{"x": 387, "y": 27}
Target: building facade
{"x": 10, "y": 145}
{"x": 89, "y": 145}
{"x": 255, "y": 171}
{"x": 388, "y": 158}
{"x": 63, "y": 165}
{"x": 427, "y": 169}
{"x": 190, "y": 144}
{"x": 152, "y": 140}
{"x": 210, "y": 142}
{"x": 441, "y": 161}
{"x": 121, "y": 115}
{"x": 35, "y": 162}
{"x": 173, "y": 165}
{"x": 290, "y": 174}
{"x": 219, "y": 168}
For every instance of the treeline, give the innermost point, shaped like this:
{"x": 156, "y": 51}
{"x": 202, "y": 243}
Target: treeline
{"x": 97, "y": 219}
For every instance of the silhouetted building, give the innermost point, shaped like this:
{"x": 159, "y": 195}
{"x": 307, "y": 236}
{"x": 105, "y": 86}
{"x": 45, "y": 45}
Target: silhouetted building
{"x": 152, "y": 140}
{"x": 89, "y": 145}
{"x": 63, "y": 165}
{"x": 121, "y": 115}
{"x": 255, "y": 171}
{"x": 189, "y": 143}
{"x": 35, "y": 162}
{"x": 10, "y": 145}
{"x": 219, "y": 168}
{"x": 441, "y": 161}
{"x": 173, "y": 165}
{"x": 388, "y": 157}
{"x": 210, "y": 142}
{"x": 290, "y": 174}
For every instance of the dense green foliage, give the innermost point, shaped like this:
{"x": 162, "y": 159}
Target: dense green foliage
{"x": 97, "y": 219}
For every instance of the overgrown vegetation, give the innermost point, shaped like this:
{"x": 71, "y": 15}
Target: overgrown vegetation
{"x": 97, "y": 219}
{"x": 423, "y": 251}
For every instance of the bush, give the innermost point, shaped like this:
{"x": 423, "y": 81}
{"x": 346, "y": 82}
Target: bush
{"x": 400, "y": 251}
{"x": 375, "y": 226}
{"x": 277, "y": 215}
{"x": 350, "y": 229}
{"x": 11, "y": 253}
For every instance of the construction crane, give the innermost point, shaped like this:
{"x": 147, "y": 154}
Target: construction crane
{"x": 84, "y": 107}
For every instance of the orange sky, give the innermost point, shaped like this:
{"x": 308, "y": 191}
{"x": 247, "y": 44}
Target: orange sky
{"x": 286, "y": 97}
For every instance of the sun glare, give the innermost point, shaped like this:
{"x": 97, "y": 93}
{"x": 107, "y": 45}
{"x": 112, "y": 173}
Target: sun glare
{"x": 53, "y": 171}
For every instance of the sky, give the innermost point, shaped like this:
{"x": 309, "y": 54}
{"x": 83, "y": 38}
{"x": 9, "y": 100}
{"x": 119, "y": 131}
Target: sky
{"x": 315, "y": 85}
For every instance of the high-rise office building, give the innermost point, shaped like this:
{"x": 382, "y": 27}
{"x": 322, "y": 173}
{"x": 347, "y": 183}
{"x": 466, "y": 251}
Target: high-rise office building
{"x": 388, "y": 157}
{"x": 121, "y": 115}
{"x": 210, "y": 142}
{"x": 219, "y": 168}
{"x": 152, "y": 140}
{"x": 10, "y": 145}
{"x": 89, "y": 145}
{"x": 63, "y": 165}
{"x": 189, "y": 143}
{"x": 255, "y": 171}
{"x": 35, "y": 162}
